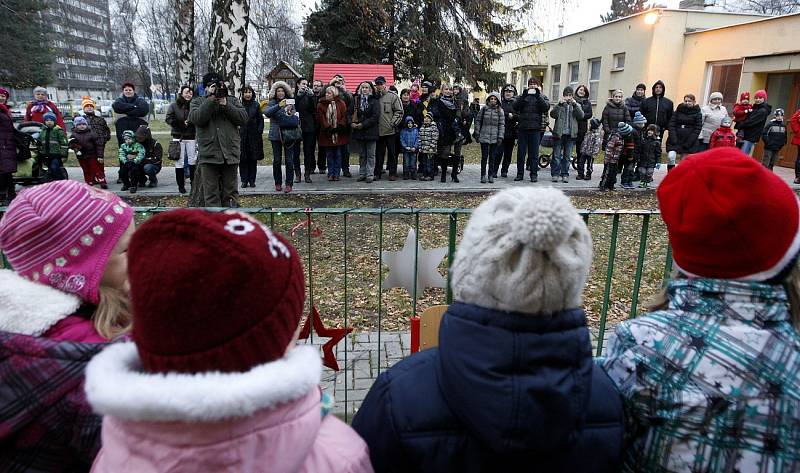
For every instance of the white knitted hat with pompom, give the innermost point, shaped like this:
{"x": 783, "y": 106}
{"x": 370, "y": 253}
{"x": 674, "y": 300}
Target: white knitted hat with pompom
{"x": 524, "y": 250}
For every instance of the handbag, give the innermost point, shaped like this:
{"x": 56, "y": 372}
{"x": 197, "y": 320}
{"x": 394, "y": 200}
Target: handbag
{"x": 174, "y": 150}
{"x": 290, "y": 136}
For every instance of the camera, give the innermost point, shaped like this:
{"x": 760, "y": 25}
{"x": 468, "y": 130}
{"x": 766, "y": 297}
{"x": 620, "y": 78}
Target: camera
{"x": 221, "y": 90}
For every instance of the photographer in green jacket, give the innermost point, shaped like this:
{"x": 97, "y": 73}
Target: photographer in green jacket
{"x": 217, "y": 117}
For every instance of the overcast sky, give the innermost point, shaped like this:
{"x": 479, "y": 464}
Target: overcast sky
{"x": 580, "y": 14}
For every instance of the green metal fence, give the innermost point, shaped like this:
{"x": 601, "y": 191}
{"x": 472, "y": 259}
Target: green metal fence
{"x": 339, "y": 261}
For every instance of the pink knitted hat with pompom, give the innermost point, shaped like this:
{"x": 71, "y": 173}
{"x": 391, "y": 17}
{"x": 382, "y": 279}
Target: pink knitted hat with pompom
{"x": 61, "y": 234}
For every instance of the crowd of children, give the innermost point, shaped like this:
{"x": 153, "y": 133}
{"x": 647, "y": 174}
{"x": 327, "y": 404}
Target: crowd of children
{"x": 103, "y": 367}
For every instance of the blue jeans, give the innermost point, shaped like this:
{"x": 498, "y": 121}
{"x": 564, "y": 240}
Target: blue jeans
{"x": 333, "y": 156}
{"x": 747, "y": 147}
{"x": 56, "y": 171}
{"x": 528, "y": 145}
{"x": 278, "y": 151}
{"x": 150, "y": 170}
{"x": 562, "y": 155}
{"x": 409, "y": 162}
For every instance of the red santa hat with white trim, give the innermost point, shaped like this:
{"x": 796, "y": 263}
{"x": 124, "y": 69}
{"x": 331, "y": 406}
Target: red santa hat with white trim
{"x": 729, "y": 217}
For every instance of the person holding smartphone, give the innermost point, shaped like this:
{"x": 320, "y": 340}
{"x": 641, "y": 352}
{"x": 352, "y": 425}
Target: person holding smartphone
{"x": 529, "y": 108}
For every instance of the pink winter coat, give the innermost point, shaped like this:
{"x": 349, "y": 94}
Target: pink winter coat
{"x": 267, "y": 419}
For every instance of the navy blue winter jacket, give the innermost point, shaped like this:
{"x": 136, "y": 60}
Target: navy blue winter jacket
{"x": 502, "y": 391}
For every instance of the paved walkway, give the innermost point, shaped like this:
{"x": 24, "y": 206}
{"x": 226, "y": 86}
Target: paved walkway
{"x": 358, "y": 357}
{"x": 470, "y": 182}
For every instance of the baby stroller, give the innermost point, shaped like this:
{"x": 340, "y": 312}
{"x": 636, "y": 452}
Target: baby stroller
{"x": 30, "y": 169}
{"x": 547, "y": 142}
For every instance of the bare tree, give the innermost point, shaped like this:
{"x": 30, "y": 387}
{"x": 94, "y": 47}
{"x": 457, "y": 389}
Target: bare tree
{"x": 766, "y": 7}
{"x": 130, "y": 58}
{"x": 202, "y": 36}
{"x": 160, "y": 44}
{"x": 229, "y": 22}
{"x": 275, "y": 37}
{"x": 184, "y": 41}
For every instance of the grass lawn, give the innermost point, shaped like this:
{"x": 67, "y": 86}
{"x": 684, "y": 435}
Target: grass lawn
{"x": 328, "y": 263}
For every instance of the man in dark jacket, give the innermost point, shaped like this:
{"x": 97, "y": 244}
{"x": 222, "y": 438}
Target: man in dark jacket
{"x": 217, "y": 121}
{"x": 529, "y": 108}
{"x": 317, "y": 87}
{"x": 634, "y": 102}
{"x": 657, "y": 109}
{"x": 130, "y": 110}
{"x": 512, "y": 383}
{"x": 306, "y": 105}
{"x": 509, "y": 95}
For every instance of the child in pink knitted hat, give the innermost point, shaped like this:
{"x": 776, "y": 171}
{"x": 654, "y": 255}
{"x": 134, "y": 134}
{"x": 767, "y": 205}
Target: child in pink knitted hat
{"x": 66, "y": 295}
{"x": 72, "y": 238}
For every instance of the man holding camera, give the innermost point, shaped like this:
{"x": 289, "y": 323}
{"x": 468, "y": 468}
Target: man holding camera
{"x": 217, "y": 118}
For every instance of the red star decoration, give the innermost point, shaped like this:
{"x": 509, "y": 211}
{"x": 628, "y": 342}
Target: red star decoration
{"x": 335, "y": 334}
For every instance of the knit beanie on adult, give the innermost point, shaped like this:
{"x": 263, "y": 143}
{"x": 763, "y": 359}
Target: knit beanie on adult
{"x": 729, "y": 217}
{"x": 212, "y": 292}
{"x": 761, "y": 94}
{"x": 524, "y": 250}
{"x": 61, "y": 234}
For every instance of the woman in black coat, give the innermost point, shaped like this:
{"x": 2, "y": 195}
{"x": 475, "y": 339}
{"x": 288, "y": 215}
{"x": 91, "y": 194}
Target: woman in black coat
{"x": 582, "y": 99}
{"x": 251, "y": 138}
{"x": 445, "y": 112}
{"x": 614, "y": 112}
{"x": 365, "y": 133}
{"x": 684, "y": 130}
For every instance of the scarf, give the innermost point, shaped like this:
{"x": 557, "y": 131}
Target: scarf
{"x": 363, "y": 103}
{"x": 331, "y": 115}
{"x": 448, "y": 102}
{"x": 4, "y": 108}
{"x": 40, "y": 106}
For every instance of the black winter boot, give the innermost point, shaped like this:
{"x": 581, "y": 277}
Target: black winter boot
{"x": 670, "y": 167}
{"x": 192, "y": 169}
{"x": 180, "y": 178}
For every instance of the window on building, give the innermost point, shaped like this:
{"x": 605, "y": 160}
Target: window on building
{"x": 555, "y": 81}
{"x": 724, "y": 78}
{"x": 574, "y": 72}
{"x": 594, "y": 79}
{"x": 619, "y": 62}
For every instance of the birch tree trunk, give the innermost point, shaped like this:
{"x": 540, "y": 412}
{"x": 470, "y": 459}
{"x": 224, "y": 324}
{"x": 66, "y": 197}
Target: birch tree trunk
{"x": 229, "y": 22}
{"x": 184, "y": 42}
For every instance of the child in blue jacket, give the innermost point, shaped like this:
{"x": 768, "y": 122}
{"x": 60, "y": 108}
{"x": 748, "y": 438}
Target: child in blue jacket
{"x": 409, "y": 141}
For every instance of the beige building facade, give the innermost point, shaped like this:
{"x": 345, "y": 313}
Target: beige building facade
{"x": 692, "y": 51}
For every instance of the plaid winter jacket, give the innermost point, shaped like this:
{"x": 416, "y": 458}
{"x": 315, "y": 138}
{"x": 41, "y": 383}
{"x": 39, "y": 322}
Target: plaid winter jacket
{"x": 614, "y": 148}
{"x": 46, "y": 424}
{"x": 428, "y": 138}
{"x": 592, "y": 141}
{"x": 712, "y": 383}
{"x": 131, "y": 149}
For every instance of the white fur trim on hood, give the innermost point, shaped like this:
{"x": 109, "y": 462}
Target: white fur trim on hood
{"x": 30, "y": 308}
{"x": 284, "y": 86}
{"x": 117, "y": 386}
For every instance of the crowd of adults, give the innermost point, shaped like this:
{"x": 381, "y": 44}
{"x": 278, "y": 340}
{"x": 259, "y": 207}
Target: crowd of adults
{"x": 172, "y": 346}
{"x": 217, "y": 136}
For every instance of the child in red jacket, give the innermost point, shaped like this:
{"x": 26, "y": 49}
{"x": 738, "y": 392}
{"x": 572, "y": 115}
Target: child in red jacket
{"x": 723, "y": 136}
{"x": 740, "y": 112}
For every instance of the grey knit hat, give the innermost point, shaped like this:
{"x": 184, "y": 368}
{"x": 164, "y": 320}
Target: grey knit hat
{"x": 524, "y": 250}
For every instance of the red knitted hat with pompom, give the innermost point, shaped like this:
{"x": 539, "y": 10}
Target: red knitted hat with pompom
{"x": 212, "y": 292}
{"x": 729, "y": 217}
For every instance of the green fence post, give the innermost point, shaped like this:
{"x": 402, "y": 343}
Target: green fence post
{"x": 637, "y": 279}
{"x": 451, "y": 252}
{"x": 345, "y": 317}
{"x": 612, "y": 251}
{"x": 416, "y": 263}
{"x": 380, "y": 283}
{"x": 310, "y": 271}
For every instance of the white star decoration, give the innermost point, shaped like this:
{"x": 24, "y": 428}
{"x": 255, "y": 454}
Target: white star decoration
{"x": 401, "y": 265}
